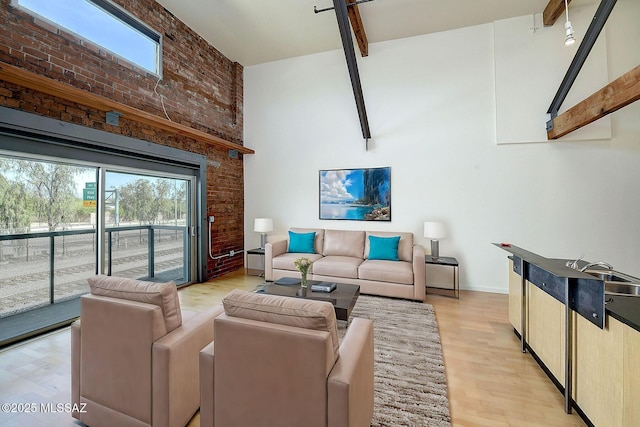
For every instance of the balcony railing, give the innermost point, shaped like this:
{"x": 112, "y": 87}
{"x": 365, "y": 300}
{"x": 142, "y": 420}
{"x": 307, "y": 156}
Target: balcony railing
{"x": 42, "y": 268}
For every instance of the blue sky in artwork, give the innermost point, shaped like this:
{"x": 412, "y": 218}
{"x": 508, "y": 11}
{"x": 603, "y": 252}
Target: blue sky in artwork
{"x": 355, "y": 184}
{"x": 89, "y": 21}
{"x": 342, "y": 185}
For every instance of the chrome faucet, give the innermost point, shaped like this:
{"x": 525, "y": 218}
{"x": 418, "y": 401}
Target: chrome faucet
{"x": 574, "y": 264}
{"x": 599, "y": 263}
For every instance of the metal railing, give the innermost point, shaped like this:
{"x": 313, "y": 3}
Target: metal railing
{"x": 32, "y": 252}
{"x": 52, "y": 249}
{"x": 151, "y": 230}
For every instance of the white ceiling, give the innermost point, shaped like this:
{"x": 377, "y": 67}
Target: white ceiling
{"x": 257, "y": 31}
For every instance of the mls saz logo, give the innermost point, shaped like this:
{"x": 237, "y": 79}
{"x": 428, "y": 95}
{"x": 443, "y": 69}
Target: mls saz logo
{"x": 63, "y": 407}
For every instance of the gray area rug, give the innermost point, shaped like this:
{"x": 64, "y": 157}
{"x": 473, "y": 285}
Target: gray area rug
{"x": 410, "y": 381}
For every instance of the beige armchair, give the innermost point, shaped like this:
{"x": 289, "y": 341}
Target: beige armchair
{"x": 278, "y": 362}
{"x": 134, "y": 355}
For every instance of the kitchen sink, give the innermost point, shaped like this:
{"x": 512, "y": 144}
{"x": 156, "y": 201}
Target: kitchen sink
{"x": 622, "y": 288}
{"x": 608, "y": 275}
{"x": 616, "y": 283}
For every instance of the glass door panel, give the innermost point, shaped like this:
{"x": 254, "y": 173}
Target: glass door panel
{"x": 147, "y": 219}
{"x": 47, "y": 232}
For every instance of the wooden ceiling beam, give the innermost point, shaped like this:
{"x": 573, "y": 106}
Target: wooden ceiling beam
{"x": 554, "y": 10}
{"x": 358, "y": 29}
{"x": 617, "y": 94}
{"x": 28, "y": 79}
{"x": 352, "y": 65}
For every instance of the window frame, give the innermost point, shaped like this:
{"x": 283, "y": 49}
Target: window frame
{"x": 116, "y": 12}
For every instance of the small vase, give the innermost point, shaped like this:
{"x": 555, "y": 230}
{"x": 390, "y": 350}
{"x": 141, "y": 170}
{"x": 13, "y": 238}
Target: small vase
{"x": 303, "y": 280}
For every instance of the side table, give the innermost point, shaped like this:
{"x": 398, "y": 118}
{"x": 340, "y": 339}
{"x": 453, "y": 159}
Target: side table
{"x": 252, "y": 271}
{"x": 447, "y": 262}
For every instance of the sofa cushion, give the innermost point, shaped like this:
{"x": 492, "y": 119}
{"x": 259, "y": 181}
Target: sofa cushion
{"x": 383, "y": 248}
{"x": 387, "y": 271}
{"x": 298, "y": 312}
{"x": 319, "y": 240}
{"x": 301, "y": 242}
{"x": 405, "y": 245}
{"x": 337, "y": 266}
{"x": 285, "y": 261}
{"x": 164, "y": 295}
{"x": 344, "y": 243}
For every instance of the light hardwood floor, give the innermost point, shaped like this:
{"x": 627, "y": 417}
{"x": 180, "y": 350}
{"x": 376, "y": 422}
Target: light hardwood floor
{"x": 490, "y": 382}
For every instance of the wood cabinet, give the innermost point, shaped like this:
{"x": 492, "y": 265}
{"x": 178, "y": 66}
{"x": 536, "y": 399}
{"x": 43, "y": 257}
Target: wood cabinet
{"x": 606, "y": 363}
{"x": 515, "y": 298}
{"x": 631, "y": 376}
{"x": 545, "y": 330}
{"x": 598, "y": 371}
{"x": 545, "y": 322}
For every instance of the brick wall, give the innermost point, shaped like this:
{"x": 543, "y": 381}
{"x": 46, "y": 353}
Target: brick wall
{"x": 202, "y": 89}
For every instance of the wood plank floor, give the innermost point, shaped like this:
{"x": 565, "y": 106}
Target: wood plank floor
{"x": 490, "y": 382}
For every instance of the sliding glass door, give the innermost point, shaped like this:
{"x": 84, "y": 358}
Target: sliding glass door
{"x": 77, "y": 201}
{"x": 51, "y": 216}
{"x": 147, "y": 226}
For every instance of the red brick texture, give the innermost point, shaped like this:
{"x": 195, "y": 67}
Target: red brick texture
{"x": 202, "y": 89}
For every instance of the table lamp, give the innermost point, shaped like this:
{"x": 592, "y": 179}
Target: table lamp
{"x": 434, "y": 230}
{"x": 263, "y": 226}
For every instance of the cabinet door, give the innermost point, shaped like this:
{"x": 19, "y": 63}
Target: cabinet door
{"x": 631, "y": 380}
{"x": 598, "y": 371}
{"x": 545, "y": 325}
{"x": 515, "y": 298}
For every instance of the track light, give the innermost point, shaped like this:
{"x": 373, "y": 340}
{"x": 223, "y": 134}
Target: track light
{"x": 568, "y": 39}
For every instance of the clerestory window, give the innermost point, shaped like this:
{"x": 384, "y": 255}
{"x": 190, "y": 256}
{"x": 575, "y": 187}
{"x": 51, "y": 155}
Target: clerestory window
{"x": 105, "y": 24}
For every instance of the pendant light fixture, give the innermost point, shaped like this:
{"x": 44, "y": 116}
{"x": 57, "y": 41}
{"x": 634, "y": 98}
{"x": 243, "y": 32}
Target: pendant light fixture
{"x": 569, "y": 39}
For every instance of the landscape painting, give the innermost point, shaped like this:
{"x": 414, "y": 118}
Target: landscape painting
{"x": 356, "y": 194}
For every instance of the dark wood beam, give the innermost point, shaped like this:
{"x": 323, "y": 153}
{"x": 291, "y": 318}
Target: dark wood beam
{"x": 28, "y": 79}
{"x": 617, "y": 94}
{"x": 352, "y": 65}
{"x": 590, "y": 37}
{"x": 358, "y": 29}
{"x": 554, "y": 9}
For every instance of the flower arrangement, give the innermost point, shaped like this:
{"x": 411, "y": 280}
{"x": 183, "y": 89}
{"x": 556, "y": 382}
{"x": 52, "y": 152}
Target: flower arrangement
{"x": 303, "y": 264}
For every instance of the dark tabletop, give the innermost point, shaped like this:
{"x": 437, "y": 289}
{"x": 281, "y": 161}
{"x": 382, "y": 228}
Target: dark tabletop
{"x": 343, "y": 297}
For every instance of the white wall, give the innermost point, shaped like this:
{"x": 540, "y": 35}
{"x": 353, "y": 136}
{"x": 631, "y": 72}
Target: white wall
{"x": 431, "y": 107}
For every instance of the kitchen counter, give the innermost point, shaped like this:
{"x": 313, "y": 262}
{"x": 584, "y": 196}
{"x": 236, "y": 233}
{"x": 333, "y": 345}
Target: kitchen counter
{"x": 590, "y": 355}
{"x": 583, "y": 292}
{"x": 626, "y": 309}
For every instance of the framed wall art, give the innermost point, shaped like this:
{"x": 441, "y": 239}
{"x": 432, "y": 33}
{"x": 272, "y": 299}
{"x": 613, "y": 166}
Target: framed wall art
{"x": 356, "y": 194}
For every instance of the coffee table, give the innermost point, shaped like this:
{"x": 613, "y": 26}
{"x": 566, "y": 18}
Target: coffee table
{"x": 343, "y": 298}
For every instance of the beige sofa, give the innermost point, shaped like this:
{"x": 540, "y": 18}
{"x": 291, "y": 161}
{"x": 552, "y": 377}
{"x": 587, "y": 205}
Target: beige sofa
{"x": 278, "y": 362}
{"x": 342, "y": 256}
{"x": 134, "y": 355}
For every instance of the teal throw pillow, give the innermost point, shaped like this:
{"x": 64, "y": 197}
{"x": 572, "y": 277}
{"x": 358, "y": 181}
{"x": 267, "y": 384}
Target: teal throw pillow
{"x": 384, "y": 248}
{"x": 301, "y": 242}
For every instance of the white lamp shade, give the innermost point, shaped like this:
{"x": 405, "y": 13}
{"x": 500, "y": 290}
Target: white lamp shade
{"x": 263, "y": 225}
{"x": 434, "y": 230}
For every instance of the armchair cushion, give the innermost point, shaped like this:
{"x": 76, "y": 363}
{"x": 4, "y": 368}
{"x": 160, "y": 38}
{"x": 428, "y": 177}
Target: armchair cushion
{"x": 301, "y": 313}
{"x": 164, "y": 295}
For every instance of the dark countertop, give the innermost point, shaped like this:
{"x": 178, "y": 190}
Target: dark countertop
{"x": 625, "y": 309}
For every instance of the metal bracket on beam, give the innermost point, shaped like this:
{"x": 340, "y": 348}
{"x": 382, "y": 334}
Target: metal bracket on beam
{"x": 553, "y": 115}
{"x": 316, "y": 10}
{"x": 112, "y": 118}
{"x": 590, "y": 37}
